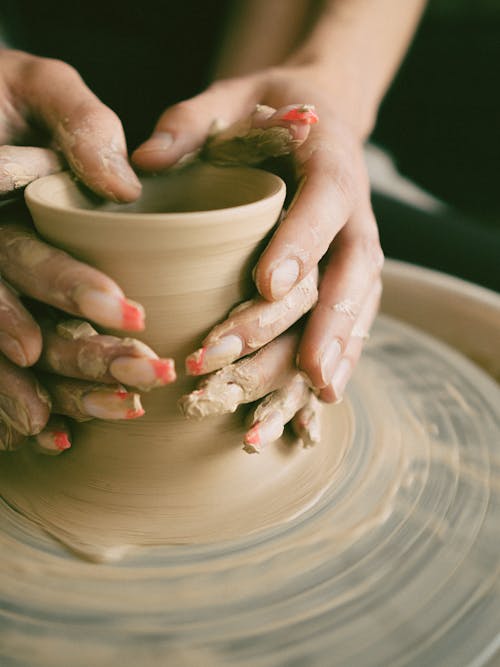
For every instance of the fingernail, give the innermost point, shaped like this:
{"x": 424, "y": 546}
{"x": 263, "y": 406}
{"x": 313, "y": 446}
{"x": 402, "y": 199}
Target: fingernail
{"x": 110, "y": 310}
{"x": 143, "y": 373}
{"x": 112, "y": 404}
{"x": 12, "y": 349}
{"x": 264, "y": 432}
{"x": 208, "y": 358}
{"x": 301, "y": 113}
{"x": 120, "y": 167}
{"x": 284, "y": 278}
{"x": 328, "y": 361}
{"x": 309, "y": 428}
{"x": 53, "y": 441}
{"x": 341, "y": 377}
{"x": 160, "y": 141}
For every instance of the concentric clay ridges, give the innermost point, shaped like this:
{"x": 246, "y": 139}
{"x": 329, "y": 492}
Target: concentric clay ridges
{"x": 395, "y": 564}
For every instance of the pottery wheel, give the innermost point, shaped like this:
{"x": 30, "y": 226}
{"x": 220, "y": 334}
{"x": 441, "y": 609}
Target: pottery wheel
{"x": 397, "y": 564}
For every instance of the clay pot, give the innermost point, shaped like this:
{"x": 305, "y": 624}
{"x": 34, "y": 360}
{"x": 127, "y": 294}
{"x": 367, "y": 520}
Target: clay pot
{"x": 185, "y": 251}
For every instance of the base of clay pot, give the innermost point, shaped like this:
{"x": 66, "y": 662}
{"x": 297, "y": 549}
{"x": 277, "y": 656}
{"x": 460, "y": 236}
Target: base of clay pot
{"x": 396, "y": 564}
{"x": 99, "y": 506}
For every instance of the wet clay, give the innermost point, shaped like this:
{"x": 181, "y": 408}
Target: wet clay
{"x": 396, "y": 564}
{"x": 163, "y": 479}
{"x": 387, "y": 556}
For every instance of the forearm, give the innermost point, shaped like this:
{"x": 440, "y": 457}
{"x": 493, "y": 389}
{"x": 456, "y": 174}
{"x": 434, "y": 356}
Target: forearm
{"x": 354, "y": 50}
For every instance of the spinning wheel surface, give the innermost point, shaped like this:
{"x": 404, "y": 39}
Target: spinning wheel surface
{"x": 397, "y": 564}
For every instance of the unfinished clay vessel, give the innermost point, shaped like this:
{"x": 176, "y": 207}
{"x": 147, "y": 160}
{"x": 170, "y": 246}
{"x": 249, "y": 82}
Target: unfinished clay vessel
{"x": 185, "y": 251}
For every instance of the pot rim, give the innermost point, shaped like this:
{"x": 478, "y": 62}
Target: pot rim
{"x": 38, "y": 202}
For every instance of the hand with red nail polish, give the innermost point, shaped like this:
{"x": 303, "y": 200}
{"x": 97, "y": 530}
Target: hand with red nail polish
{"x": 34, "y": 335}
{"x": 317, "y": 107}
{"x": 54, "y": 121}
{"x": 336, "y": 75}
{"x": 50, "y": 120}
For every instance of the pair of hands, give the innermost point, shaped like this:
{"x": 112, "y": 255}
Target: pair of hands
{"x": 49, "y": 119}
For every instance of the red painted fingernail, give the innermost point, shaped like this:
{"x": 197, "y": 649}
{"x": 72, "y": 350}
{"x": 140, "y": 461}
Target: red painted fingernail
{"x": 53, "y": 441}
{"x": 304, "y": 114}
{"x": 164, "y": 369}
{"x": 112, "y": 404}
{"x": 134, "y": 414}
{"x": 252, "y": 440}
{"x": 109, "y": 309}
{"x": 144, "y": 373}
{"x": 132, "y": 316}
{"x": 194, "y": 363}
{"x": 61, "y": 440}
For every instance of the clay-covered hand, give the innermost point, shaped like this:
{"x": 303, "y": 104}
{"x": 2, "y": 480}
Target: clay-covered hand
{"x": 30, "y": 334}
{"x": 330, "y": 219}
{"x": 49, "y": 120}
{"x": 79, "y": 374}
{"x": 270, "y": 372}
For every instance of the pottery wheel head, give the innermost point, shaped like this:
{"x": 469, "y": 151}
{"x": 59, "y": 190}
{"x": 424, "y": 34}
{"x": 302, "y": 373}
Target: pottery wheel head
{"x": 395, "y": 564}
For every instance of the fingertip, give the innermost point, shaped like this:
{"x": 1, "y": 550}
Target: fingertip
{"x": 118, "y": 180}
{"x": 23, "y": 352}
{"x": 33, "y": 349}
{"x": 327, "y": 395}
{"x": 334, "y": 391}
{"x": 154, "y": 154}
{"x": 275, "y": 283}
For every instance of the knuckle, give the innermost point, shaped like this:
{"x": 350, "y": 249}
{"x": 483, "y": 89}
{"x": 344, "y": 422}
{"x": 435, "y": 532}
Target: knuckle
{"x": 345, "y": 182}
{"x": 371, "y": 253}
{"x": 50, "y": 68}
{"x": 339, "y": 167}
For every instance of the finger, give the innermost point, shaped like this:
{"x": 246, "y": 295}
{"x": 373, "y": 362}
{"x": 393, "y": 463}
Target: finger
{"x": 24, "y": 405}
{"x": 265, "y": 133}
{"x": 82, "y": 400}
{"x": 54, "y": 439}
{"x": 184, "y": 127}
{"x": 326, "y": 197}
{"x": 334, "y": 391}
{"x": 307, "y": 422}
{"x": 20, "y": 338}
{"x": 244, "y": 381}
{"x": 252, "y": 325}
{"x": 87, "y": 132}
{"x": 10, "y": 439}
{"x": 52, "y": 276}
{"x": 19, "y": 165}
{"x": 353, "y": 267}
{"x": 72, "y": 348}
{"x": 274, "y": 412}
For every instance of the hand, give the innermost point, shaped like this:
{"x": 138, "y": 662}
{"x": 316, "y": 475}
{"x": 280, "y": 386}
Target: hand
{"x": 98, "y": 365}
{"x": 258, "y": 325}
{"x": 330, "y": 219}
{"x": 54, "y": 120}
{"x": 46, "y": 104}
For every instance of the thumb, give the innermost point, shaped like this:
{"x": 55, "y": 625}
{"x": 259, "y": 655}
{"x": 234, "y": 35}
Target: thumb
{"x": 87, "y": 132}
{"x": 184, "y": 127}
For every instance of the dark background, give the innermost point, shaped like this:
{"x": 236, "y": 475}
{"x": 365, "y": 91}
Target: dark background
{"x": 440, "y": 120}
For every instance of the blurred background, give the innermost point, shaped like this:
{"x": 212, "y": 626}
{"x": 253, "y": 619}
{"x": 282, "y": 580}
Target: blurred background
{"x": 439, "y": 123}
